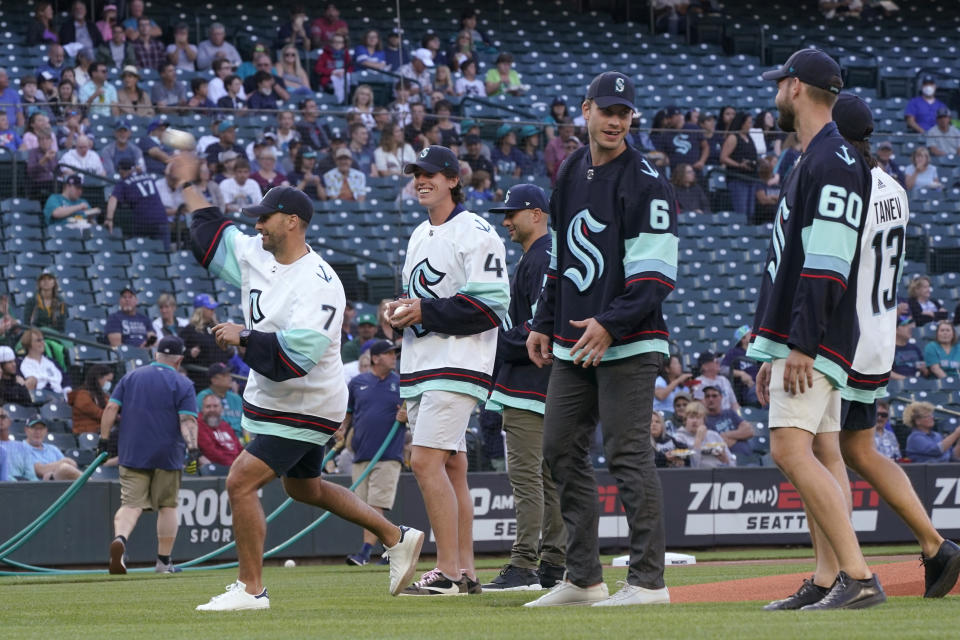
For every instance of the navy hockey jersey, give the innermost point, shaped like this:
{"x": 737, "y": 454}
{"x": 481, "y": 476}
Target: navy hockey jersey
{"x": 614, "y": 254}
{"x": 808, "y": 299}
{"x": 520, "y": 384}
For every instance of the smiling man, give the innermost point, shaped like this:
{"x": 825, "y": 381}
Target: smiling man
{"x": 599, "y": 322}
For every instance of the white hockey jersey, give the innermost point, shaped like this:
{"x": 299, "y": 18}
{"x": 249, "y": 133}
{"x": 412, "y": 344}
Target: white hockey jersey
{"x": 296, "y": 387}
{"x": 881, "y": 263}
{"x": 458, "y": 270}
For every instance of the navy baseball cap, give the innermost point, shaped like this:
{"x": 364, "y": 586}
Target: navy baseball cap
{"x": 75, "y": 179}
{"x": 171, "y": 346}
{"x": 928, "y": 79}
{"x": 435, "y": 159}
{"x": 382, "y": 346}
{"x": 125, "y": 164}
{"x": 610, "y": 88}
{"x": 217, "y": 368}
{"x": 156, "y": 124}
{"x": 522, "y": 196}
{"x": 853, "y": 117}
{"x": 943, "y": 112}
{"x": 812, "y": 67}
{"x": 289, "y": 200}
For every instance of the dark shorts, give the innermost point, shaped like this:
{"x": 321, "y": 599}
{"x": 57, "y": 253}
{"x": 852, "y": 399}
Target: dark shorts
{"x": 290, "y": 458}
{"x": 857, "y": 416}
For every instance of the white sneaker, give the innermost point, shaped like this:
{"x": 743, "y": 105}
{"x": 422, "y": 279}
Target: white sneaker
{"x": 631, "y": 594}
{"x": 566, "y": 593}
{"x": 403, "y": 558}
{"x": 236, "y": 598}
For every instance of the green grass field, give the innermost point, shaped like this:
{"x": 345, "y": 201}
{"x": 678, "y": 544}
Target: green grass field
{"x": 337, "y": 601}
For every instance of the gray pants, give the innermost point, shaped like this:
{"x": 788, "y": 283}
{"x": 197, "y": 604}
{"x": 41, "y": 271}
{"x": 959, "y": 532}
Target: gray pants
{"x": 620, "y": 394}
{"x": 534, "y": 492}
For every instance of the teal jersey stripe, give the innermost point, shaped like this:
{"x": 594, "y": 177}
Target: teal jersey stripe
{"x": 416, "y": 390}
{"x": 304, "y": 346}
{"x": 283, "y": 431}
{"x": 116, "y": 402}
{"x": 499, "y": 400}
{"x": 187, "y": 413}
{"x": 826, "y": 263}
{"x": 495, "y": 295}
{"x": 765, "y": 350}
{"x": 832, "y": 239}
{"x": 862, "y": 395}
{"x": 224, "y": 263}
{"x": 834, "y": 372}
{"x": 649, "y": 249}
{"x": 620, "y": 352}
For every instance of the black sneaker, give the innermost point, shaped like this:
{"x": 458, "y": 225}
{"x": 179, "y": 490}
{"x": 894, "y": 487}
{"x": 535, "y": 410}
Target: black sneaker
{"x": 941, "y": 571}
{"x": 808, "y": 593}
{"x": 470, "y": 587}
{"x": 550, "y": 574}
{"x": 848, "y": 593}
{"x": 513, "y": 578}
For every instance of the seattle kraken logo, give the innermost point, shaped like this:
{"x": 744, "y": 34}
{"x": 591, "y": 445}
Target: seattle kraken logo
{"x": 681, "y": 142}
{"x": 255, "y": 313}
{"x": 582, "y": 225}
{"x": 422, "y": 278}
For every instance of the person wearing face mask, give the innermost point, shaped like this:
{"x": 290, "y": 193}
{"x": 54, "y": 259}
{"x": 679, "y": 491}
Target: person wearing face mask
{"x": 921, "y": 111}
{"x": 89, "y": 400}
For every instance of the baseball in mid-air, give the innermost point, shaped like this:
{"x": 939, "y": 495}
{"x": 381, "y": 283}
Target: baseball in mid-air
{"x": 178, "y": 139}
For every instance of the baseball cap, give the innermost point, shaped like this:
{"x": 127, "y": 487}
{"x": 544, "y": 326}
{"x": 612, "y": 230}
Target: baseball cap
{"x": 127, "y": 290}
{"x": 130, "y": 69}
{"x": 367, "y": 318}
{"x": 343, "y": 153}
{"x": 886, "y": 144}
{"x": 7, "y": 354}
{"x": 124, "y": 164}
{"x": 424, "y": 56}
{"x": 812, "y": 67}
{"x": 928, "y": 79}
{"x": 712, "y": 387}
{"x": 121, "y": 124}
{"x": 366, "y": 345}
{"x": 382, "y": 346}
{"x": 35, "y": 420}
{"x": 228, "y": 155}
{"x": 526, "y": 131}
{"x": 156, "y": 124}
{"x": 224, "y": 125}
{"x": 204, "y": 300}
{"x": 288, "y": 200}
{"x": 853, "y": 117}
{"x": 434, "y": 159}
{"x": 471, "y": 138}
{"x": 904, "y": 321}
{"x": 217, "y": 368}
{"x": 706, "y": 356}
{"x": 502, "y": 131}
{"x": 467, "y": 123}
{"x": 309, "y": 153}
{"x": 740, "y": 332}
{"x": 672, "y": 110}
{"x": 171, "y": 346}
{"x": 75, "y": 179}
{"x": 45, "y": 76}
{"x": 522, "y": 196}
{"x": 943, "y": 112}
{"x": 610, "y": 88}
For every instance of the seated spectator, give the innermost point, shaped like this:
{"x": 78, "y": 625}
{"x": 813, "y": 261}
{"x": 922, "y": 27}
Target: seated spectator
{"x": 395, "y": 53}
{"x": 943, "y": 139}
{"x": 481, "y": 187}
{"x": 267, "y": 175}
{"x": 168, "y": 93}
{"x": 216, "y": 47}
{"x": 671, "y": 381}
{"x": 181, "y": 53}
{"x": 42, "y": 168}
{"x": 62, "y": 207}
{"x": 556, "y": 151}
{"x": 199, "y": 101}
{"x": 12, "y": 385}
{"x": 98, "y": 95}
{"x": 362, "y": 150}
{"x": 311, "y": 131}
{"x": 108, "y": 18}
{"x": 116, "y": 53}
{"x": 10, "y": 329}
{"x": 202, "y": 348}
{"x": 304, "y": 176}
{"x": 505, "y": 156}
{"x": 294, "y": 31}
{"x": 171, "y": 195}
{"x": 226, "y": 163}
{"x": 156, "y": 153}
{"x": 742, "y": 369}
{"x": 324, "y": 28}
{"x": 400, "y": 108}
{"x": 240, "y": 191}
{"x": 923, "y": 308}
{"x": 908, "y": 359}
{"x": 35, "y": 459}
{"x": 883, "y": 436}
{"x": 132, "y": 23}
{"x": 468, "y": 22}
{"x": 71, "y": 130}
{"x": 413, "y": 132}
{"x": 884, "y": 156}
{"x": 291, "y": 75}
{"x": 37, "y": 122}
{"x": 475, "y": 158}
{"x": 168, "y": 323}
{"x": 713, "y": 138}
{"x": 343, "y": 182}
{"x": 924, "y": 444}
{"x": 710, "y": 377}
{"x": 690, "y": 195}
{"x": 334, "y": 67}
{"x": 137, "y": 194}
{"x": 417, "y": 70}
{"x": 46, "y": 308}
{"x": 80, "y": 29}
{"x": 942, "y": 354}
{"x": 468, "y": 84}
{"x": 226, "y": 132}
{"x": 216, "y": 440}
{"x": 82, "y": 158}
{"x": 708, "y": 448}
{"x": 362, "y": 106}
{"x": 393, "y": 153}
{"x": 55, "y": 64}
{"x": 9, "y": 138}
{"x": 921, "y": 112}
{"x": 664, "y": 444}
{"x": 39, "y": 372}
{"x": 128, "y": 326}
{"x": 31, "y": 99}
{"x": 90, "y": 399}
{"x": 265, "y": 98}
{"x": 81, "y": 68}
{"x": 209, "y": 189}
{"x": 64, "y": 100}
{"x": 217, "y": 88}
{"x": 920, "y": 174}
{"x": 121, "y": 149}
{"x": 443, "y": 85}
{"x": 232, "y": 100}
{"x": 369, "y": 53}
{"x": 735, "y": 431}
{"x": 768, "y": 191}
{"x": 503, "y": 78}
{"x": 42, "y": 29}
{"x": 461, "y": 51}
{"x": 533, "y": 163}
{"x": 222, "y": 388}
{"x": 366, "y": 331}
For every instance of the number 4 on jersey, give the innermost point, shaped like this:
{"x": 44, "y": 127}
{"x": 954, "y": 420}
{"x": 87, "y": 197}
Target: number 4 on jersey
{"x": 493, "y": 264}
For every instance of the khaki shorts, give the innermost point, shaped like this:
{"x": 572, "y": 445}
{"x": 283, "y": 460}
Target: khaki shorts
{"x": 816, "y": 410}
{"x": 439, "y": 419}
{"x": 149, "y": 489}
{"x": 379, "y": 489}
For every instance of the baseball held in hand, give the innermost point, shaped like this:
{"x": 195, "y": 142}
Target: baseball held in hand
{"x": 177, "y": 139}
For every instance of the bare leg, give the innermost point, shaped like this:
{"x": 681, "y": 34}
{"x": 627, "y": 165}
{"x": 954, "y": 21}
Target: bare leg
{"x": 440, "y": 498}
{"x": 66, "y": 471}
{"x": 792, "y": 450}
{"x": 370, "y": 537}
{"x": 892, "y": 484}
{"x": 247, "y": 474}
{"x": 826, "y": 448}
{"x": 166, "y": 530}
{"x": 342, "y": 502}
{"x": 457, "y": 472}
{"x": 125, "y": 520}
